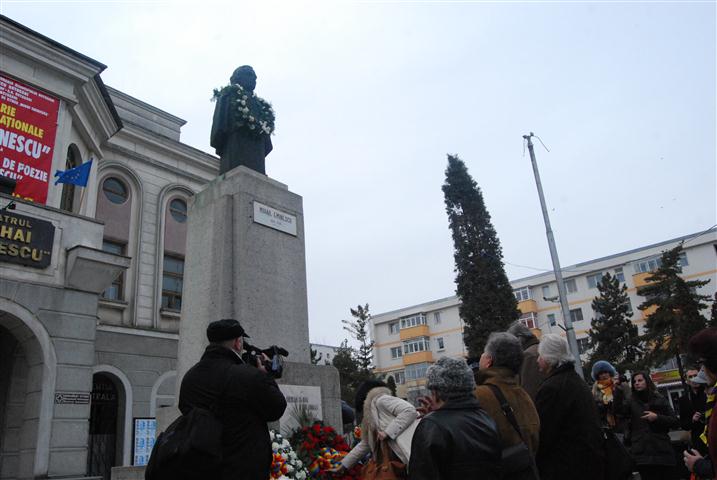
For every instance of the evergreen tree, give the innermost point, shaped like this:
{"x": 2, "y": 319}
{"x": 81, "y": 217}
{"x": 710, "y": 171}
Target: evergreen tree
{"x": 613, "y": 336}
{"x": 713, "y": 316}
{"x": 675, "y": 308}
{"x": 358, "y": 328}
{"x": 487, "y": 300}
{"x": 347, "y": 365}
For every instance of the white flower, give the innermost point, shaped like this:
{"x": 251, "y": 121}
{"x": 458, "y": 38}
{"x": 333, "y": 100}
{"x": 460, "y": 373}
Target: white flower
{"x": 251, "y": 127}
{"x": 284, "y": 456}
{"x": 245, "y": 110}
{"x": 299, "y": 464}
{"x": 289, "y": 468}
{"x": 274, "y": 446}
{"x": 284, "y": 444}
{"x": 300, "y": 475}
{"x": 251, "y": 119}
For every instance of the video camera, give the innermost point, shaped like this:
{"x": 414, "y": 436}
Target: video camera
{"x": 274, "y": 366}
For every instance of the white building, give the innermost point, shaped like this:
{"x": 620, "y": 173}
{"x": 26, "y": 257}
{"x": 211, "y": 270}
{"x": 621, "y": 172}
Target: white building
{"x": 324, "y": 353}
{"x": 409, "y": 339}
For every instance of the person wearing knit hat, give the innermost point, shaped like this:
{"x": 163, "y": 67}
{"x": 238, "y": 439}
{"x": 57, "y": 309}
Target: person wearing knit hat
{"x": 605, "y": 390}
{"x": 458, "y": 438}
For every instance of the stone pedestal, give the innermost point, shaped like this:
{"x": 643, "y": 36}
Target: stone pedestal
{"x": 239, "y": 268}
{"x": 246, "y": 260}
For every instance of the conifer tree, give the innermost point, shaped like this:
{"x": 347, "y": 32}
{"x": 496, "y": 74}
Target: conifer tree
{"x": 347, "y": 365}
{"x": 613, "y": 336}
{"x": 487, "y": 300}
{"x": 677, "y": 310}
{"x": 315, "y": 356}
{"x": 391, "y": 384}
{"x": 358, "y": 328}
{"x": 713, "y": 316}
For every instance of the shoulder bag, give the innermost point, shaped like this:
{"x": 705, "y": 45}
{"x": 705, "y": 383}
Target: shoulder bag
{"x": 517, "y": 462}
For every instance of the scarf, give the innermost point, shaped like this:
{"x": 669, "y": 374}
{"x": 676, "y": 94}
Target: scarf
{"x": 711, "y": 395}
{"x": 606, "y": 388}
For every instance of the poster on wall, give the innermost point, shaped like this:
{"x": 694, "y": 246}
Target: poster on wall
{"x": 28, "y": 122}
{"x": 144, "y": 432}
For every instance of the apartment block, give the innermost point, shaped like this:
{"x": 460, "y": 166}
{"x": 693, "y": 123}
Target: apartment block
{"x": 409, "y": 339}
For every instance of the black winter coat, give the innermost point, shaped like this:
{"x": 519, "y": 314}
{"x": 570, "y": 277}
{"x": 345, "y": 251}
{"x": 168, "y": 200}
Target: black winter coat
{"x": 455, "y": 442}
{"x": 571, "y": 441}
{"x": 650, "y": 441}
{"x": 247, "y": 400}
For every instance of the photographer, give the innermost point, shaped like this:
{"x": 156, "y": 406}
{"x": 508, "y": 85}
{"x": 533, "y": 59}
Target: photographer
{"x": 243, "y": 397}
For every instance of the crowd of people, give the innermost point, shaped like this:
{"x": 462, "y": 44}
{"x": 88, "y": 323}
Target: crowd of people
{"x": 519, "y": 412}
{"x": 522, "y": 412}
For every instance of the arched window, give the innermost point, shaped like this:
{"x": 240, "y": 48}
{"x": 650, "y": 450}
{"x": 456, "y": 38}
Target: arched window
{"x": 67, "y": 200}
{"x": 175, "y": 239}
{"x": 115, "y": 190}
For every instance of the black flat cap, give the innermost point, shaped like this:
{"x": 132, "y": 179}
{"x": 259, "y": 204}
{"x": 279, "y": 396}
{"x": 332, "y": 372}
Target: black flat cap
{"x": 225, "y": 329}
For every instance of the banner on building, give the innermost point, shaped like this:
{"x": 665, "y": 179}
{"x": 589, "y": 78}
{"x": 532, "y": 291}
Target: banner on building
{"x": 145, "y": 430}
{"x": 28, "y": 122}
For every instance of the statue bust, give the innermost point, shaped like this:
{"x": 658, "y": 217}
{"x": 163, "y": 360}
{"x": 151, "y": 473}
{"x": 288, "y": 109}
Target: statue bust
{"x": 242, "y": 124}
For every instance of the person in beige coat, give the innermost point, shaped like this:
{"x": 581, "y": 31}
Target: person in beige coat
{"x": 383, "y": 417}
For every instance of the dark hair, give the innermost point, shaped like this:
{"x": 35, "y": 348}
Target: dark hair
{"x": 362, "y": 393}
{"x": 703, "y": 345}
{"x": 648, "y": 380}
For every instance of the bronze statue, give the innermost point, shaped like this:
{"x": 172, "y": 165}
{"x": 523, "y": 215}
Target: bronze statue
{"x": 242, "y": 125}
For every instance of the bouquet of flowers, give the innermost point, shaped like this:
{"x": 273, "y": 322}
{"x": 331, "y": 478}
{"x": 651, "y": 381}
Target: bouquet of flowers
{"x": 285, "y": 463}
{"x": 321, "y": 448}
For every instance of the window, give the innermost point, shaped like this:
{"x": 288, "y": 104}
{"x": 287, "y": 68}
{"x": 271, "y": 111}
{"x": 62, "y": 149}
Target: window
{"x": 172, "y": 281}
{"x": 416, "y": 345}
{"x": 116, "y": 290}
{"x": 396, "y": 352}
{"x": 570, "y": 285}
{"x": 178, "y": 210}
{"x": 653, "y": 263}
{"x": 399, "y": 377}
{"x": 522, "y": 294}
{"x": 413, "y": 321}
{"x": 551, "y": 320}
{"x": 439, "y": 341}
{"x": 436, "y": 317}
{"x": 576, "y": 315}
{"x": 620, "y": 275}
{"x": 583, "y": 344}
{"x": 546, "y": 291}
{"x": 115, "y": 190}
{"x": 594, "y": 279}
{"x": 528, "y": 319}
{"x": 393, "y": 327}
{"x": 416, "y": 371}
{"x": 682, "y": 261}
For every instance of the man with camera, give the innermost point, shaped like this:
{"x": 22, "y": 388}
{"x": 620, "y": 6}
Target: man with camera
{"x": 242, "y": 396}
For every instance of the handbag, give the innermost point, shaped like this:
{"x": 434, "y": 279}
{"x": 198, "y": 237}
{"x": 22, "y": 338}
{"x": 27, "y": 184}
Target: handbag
{"x": 385, "y": 465}
{"x": 516, "y": 461}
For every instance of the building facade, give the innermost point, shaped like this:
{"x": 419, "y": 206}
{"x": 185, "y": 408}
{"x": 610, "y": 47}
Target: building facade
{"x": 409, "y": 339}
{"x": 90, "y": 278}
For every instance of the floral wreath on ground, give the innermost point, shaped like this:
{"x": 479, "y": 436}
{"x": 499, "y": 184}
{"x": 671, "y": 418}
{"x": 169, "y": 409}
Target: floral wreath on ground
{"x": 322, "y": 449}
{"x": 251, "y": 114}
{"x": 285, "y": 464}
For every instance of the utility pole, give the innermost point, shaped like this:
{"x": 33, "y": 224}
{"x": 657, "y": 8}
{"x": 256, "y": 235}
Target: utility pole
{"x": 562, "y": 294}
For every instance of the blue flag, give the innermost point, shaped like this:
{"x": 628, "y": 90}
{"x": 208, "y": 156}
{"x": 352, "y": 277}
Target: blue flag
{"x": 76, "y": 176}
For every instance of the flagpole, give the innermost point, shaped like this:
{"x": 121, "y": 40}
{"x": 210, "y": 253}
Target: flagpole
{"x": 82, "y": 199}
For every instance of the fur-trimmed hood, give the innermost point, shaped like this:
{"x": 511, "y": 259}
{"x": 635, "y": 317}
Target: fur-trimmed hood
{"x": 368, "y": 422}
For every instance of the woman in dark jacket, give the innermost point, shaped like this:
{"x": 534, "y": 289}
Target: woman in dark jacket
{"x": 571, "y": 442}
{"x": 650, "y": 419}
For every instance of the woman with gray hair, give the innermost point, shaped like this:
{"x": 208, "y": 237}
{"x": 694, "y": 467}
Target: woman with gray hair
{"x": 457, "y": 439}
{"x": 571, "y": 441}
{"x": 497, "y": 380}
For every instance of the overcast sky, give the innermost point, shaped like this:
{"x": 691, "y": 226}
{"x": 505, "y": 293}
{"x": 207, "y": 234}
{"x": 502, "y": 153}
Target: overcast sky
{"x": 371, "y": 96}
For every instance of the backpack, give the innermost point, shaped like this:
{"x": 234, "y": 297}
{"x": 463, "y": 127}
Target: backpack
{"x": 190, "y": 448}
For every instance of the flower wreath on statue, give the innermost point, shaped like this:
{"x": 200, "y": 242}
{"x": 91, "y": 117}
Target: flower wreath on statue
{"x": 250, "y": 113}
{"x": 285, "y": 464}
{"x": 321, "y": 448}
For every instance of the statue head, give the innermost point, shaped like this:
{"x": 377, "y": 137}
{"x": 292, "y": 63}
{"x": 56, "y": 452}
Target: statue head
{"x": 245, "y": 77}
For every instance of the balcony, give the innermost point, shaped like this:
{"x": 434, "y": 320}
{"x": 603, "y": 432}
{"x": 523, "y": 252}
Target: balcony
{"x": 412, "y": 332}
{"x": 640, "y": 279}
{"x": 528, "y": 306}
{"x": 418, "y": 357}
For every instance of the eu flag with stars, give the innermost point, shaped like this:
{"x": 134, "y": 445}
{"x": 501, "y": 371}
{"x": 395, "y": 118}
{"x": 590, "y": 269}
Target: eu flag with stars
{"x": 76, "y": 176}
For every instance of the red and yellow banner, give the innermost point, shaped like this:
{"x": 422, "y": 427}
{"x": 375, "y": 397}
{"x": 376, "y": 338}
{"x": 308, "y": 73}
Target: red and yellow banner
{"x": 28, "y": 122}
